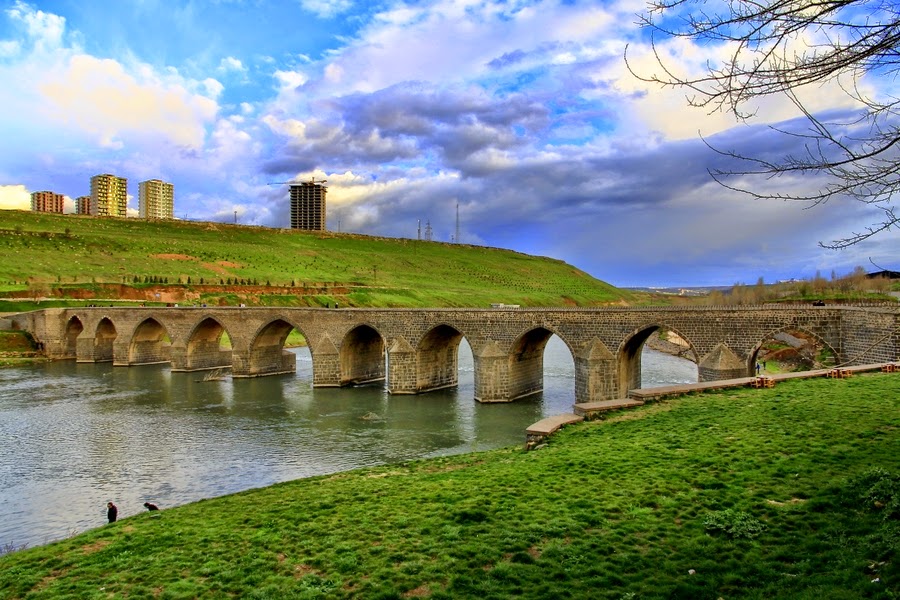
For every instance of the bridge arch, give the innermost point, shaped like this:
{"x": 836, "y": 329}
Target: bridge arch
{"x": 754, "y": 352}
{"x": 362, "y": 356}
{"x": 437, "y": 358}
{"x": 526, "y": 361}
{"x": 267, "y": 355}
{"x": 74, "y": 328}
{"x": 150, "y": 343}
{"x": 205, "y": 347}
{"x": 629, "y": 354}
{"x": 104, "y": 336}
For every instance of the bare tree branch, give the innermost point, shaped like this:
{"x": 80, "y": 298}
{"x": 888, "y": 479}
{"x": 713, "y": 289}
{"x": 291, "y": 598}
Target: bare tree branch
{"x": 777, "y": 47}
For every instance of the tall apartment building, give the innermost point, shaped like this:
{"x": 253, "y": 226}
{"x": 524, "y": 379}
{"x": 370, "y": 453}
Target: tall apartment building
{"x": 50, "y": 202}
{"x": 109, "y": 196}
{"x": 308, "y": 206}
{"x": 83, "y": 205}
{"x": 156, "y": 199}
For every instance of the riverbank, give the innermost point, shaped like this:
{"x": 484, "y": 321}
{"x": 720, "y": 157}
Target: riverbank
{"x": 746, "y": 493}
{"x": 17, "y": 348}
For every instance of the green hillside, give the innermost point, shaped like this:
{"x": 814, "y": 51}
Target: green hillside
{"x": 52, "y": 255}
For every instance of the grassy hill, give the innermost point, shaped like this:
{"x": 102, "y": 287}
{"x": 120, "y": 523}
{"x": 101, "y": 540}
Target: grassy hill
{"x": 789, "y": 492}
{"x": 82, "y": 257}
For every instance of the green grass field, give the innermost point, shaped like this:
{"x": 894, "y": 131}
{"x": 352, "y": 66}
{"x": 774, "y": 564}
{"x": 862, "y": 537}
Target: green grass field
{"x": 791, "y": 492}
{"x": 44, "y": 252}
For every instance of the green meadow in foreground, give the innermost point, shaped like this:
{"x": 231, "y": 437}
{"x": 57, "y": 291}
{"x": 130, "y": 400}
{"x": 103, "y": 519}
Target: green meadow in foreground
{"x": 216, "y": 263}
{"x": 789, "y": 492}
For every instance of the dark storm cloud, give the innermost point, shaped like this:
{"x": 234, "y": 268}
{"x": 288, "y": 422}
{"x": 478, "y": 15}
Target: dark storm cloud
{"x": 577, "y": 184}
{"x": 419, "y": 109}
{"x": 408, "y": 121}
{"x": 509, "y": 59}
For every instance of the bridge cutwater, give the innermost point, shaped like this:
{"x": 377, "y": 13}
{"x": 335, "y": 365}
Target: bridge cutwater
{"x": 414, "y": 351}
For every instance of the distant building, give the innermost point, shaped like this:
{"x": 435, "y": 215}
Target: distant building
{"x": 156, "y": 199}
{"x": 83, "y": 205}
{"x": 49, "y": 202}
{"x": 308, "y": 206}
{"x": 109, "y": 196}
{"x": 884, "y": 274}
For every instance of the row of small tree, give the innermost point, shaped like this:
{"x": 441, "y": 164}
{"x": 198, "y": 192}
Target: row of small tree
{"x": 853, "y": 287}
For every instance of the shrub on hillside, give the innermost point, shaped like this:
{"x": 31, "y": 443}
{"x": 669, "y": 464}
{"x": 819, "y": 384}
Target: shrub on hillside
{"x": 875, "y": 489}
{"x": 735, "y": 524}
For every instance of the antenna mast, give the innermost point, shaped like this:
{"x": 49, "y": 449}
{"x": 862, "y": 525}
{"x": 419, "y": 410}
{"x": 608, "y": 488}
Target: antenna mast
{"x": 457, "y": 221}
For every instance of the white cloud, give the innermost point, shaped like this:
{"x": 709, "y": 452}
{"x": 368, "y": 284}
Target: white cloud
{"x": 103, "y": 99}
{"x": 90, "y": 101}
{"x": 667, "y": 110}
{"x": 45, "y": 29}
{"x": 289, "y": 80}
{"x": 14, "y": 197}
{"x": 229, "y": 63}
{"x": 212, "y": 87}
{"x": 9, "y": 48}
{"x": 326, "y": 8}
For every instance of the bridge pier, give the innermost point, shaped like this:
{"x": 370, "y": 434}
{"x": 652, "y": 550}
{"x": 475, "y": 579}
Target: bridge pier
{"x": 722, "y": 363}
{"x": 84, "y": 349}
{"x": 596, "y": 378}
{"x": 402, "y": 368}
{"x": 326, "y": 364}
{"x": 120, "y": 353}
{"x": 491, "y": 374}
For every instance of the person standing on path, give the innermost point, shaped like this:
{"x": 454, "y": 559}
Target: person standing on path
{"x": 112, "y": 512}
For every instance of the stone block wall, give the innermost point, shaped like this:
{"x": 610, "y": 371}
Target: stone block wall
{"x": 402, "y": 369}
{"x": 870, "y": 336}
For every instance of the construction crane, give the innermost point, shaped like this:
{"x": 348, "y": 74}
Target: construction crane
{"x": 312, "y": 181}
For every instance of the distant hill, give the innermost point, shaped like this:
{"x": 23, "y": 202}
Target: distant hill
{"x": 83, "y": 257}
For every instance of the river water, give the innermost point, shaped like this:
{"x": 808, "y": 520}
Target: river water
{"x": 76, "y": 436}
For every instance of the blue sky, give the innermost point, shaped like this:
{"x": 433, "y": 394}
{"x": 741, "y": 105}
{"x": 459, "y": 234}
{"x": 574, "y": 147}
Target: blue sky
{"x": 522, "y": 113}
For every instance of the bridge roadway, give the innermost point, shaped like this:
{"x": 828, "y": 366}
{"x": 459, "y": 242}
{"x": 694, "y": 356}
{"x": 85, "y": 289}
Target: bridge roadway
{"x": 415, "y": 350}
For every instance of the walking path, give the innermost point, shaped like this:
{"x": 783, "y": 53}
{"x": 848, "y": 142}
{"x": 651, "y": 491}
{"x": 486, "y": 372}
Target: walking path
{"x": 537, "y": 432}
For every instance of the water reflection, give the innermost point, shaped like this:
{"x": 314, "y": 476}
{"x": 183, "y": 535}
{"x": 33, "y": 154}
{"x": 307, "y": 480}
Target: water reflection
{"x": 78, "y": 435}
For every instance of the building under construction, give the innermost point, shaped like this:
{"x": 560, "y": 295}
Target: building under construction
{"x": 308, "y": 205}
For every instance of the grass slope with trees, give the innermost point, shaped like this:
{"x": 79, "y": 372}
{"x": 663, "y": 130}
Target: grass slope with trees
{"x": 68, "y": 256}
{"x": 790, "y": 492}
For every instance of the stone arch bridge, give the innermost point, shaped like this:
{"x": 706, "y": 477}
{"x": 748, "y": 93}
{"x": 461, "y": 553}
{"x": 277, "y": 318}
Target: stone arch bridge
{"x": 415, "y": 350}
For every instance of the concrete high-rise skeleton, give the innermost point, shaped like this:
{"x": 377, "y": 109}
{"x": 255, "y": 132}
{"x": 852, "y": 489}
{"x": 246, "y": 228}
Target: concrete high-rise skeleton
{"x": 109, "y": 196}
{"x": 308, "y": 205}
{"x": 156, "y": 199}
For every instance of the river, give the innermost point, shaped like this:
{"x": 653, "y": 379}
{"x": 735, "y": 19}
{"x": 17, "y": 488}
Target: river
{"x": 76, "y": 436}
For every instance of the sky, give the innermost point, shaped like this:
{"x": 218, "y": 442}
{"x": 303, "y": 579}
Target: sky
{"x": 520, "y": 117}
